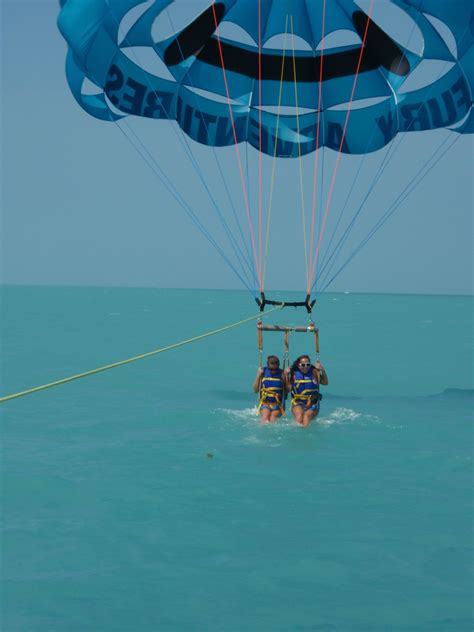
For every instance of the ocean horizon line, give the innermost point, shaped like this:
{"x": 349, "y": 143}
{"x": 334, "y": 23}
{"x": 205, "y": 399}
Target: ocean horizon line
{"x": 221, "y": 289}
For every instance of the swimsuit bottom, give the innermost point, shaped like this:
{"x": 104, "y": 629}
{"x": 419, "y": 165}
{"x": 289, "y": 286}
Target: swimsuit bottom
{"x": 305, "y": 407}
{"x": 270, "y": 405}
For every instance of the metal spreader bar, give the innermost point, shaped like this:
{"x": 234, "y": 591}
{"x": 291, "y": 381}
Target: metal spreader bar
{"x": 307, "y": 303}
{"x": 286, "y": 330}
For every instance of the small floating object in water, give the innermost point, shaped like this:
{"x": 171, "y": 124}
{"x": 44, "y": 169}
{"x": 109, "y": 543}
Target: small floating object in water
{"x": 209, "y": 455}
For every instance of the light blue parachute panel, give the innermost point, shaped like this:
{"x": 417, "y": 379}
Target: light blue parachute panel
{"x": 253, "y": 98}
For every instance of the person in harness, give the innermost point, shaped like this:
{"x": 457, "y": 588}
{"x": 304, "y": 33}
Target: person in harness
{"x": 271, "y": 385}
{"x": 304, "y": 380}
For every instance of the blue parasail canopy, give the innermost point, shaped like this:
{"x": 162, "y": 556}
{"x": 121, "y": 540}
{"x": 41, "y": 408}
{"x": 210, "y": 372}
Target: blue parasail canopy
{"x": 282, "y": 98}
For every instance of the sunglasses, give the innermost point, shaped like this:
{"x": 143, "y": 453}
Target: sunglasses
{"x": 273, "y": 363}
{"x": 305, "y": 363}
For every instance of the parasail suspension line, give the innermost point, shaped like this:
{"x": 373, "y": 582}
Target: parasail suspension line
{"x": 239, "y": 160}
{"x": 272, "y": 183}
{"x": 303, "y": 220}
{"x": 260, "y": 169}
{"x": 410, "y": 187}
{"x": 354, "y": 181}
{"x": 318, "y": 129}
{"x": 248, "y": 260}
{"x": 188, "y": 151}
{"x": 392, "y": 148}
{"x": 148, "y": 158}
{"x": 333, "y": 180}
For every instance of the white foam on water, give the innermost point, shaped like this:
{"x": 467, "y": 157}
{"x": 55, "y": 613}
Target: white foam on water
{"x": 251, "y": 414}
{"x": 345, "y": 415}
{"x": 252, "y": 440}
{"x": 340, "y": 415}
{"x": 262, "y": 440}
{"x": 268, "y": 434}
{"x": 245, "y": 413}
{"x": 248, "y": 418}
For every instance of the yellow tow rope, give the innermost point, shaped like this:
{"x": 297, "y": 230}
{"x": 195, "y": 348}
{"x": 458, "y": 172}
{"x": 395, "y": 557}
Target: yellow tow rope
{"x": 114, "y": 365}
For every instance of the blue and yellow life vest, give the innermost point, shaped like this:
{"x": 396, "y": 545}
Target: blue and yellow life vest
{"x": 272, "y": 388}
{"x": 304, "y": 389}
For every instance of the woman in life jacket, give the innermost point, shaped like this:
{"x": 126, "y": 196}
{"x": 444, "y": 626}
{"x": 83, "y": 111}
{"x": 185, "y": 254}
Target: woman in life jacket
{"x": 271, "y": 385}
{"x": 304, "y": 380}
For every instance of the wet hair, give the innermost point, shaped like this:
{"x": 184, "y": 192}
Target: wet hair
{"x": 273, "y": 357}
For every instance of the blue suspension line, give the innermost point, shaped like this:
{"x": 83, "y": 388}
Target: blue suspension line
{"x": 361, "y": 164}
{"x": 167, "y": 183}
{"x": 184, "y": 144}
{"x": 321, "y": 193}
{"x": 319, "y": 218}
{"x": 335, "y": 253}
{"x": 411, "y": 186}
{"x": 250, "y": 209}
{"x": 248, "y": 261}
{"x": 384, "y": 164}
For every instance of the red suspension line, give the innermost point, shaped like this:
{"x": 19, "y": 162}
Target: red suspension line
{"x": 260, "y": 174}
{"x": 333, "y": 179}
{"x": 242, "y": 179}
{"x": 316, "y": 161}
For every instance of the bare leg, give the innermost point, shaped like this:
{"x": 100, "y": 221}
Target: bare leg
{"x": 308, "y": 417}
{"x": 298, "y": 414}
{"x": 275, "y": 415}
{"x": 265, "y": 414}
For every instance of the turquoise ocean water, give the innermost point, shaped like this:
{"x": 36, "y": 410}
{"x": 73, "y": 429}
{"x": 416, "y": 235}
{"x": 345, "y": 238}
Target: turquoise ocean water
{"x": 115, "y": 519}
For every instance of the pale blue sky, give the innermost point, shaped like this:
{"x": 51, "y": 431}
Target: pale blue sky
{"x": 80, "y": 207}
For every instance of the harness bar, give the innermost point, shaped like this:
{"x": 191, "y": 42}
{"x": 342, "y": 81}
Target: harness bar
{"x": 286, "y": 330}
{"x": 308, "y": 303}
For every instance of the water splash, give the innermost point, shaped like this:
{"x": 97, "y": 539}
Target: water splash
{"x": 345, "y": 415}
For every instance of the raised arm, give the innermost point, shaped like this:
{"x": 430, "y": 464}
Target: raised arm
{"x": 258, "y": 379}
{"x": 321, "y": 374}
